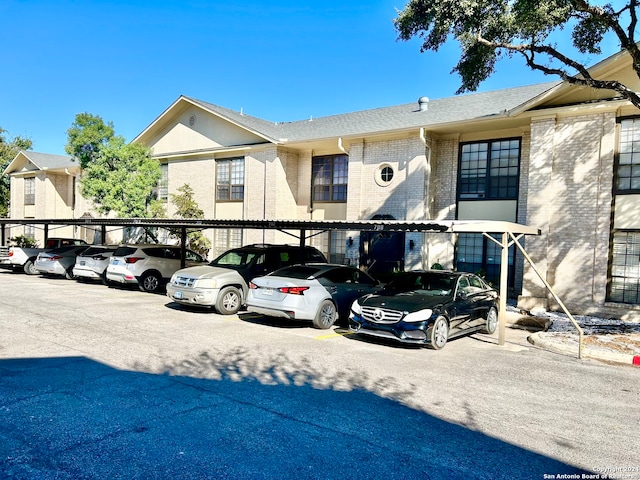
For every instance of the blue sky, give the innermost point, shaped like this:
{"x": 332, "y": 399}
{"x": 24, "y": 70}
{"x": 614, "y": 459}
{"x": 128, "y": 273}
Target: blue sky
{"x": 281, "y": 60}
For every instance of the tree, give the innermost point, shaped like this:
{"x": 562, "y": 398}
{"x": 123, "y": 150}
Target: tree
{"x": 489, "y": 30}
{"x": 87, "y": 135}
{"x": 8, "y": 150}
{"x": 117, "y": 176}
{"x": 188, "y": 208}
{"x": 121, "y": 178}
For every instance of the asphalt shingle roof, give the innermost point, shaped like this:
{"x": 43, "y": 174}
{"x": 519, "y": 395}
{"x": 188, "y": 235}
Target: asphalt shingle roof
{"x": 440, "y": 111}
{"x": 46, "y": 161}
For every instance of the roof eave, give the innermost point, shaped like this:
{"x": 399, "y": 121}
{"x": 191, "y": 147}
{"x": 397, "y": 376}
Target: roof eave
{"x": 11, "y": 165}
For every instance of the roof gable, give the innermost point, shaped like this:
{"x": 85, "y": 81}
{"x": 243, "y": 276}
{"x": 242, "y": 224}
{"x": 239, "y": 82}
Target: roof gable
{"x": 190, "y": 125}
{"x": 28, "y": 161}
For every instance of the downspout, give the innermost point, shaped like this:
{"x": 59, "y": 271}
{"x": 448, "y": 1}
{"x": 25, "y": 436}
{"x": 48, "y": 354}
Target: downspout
{"x": 341, "y": 147}
{"x": 427, "y": 187}
{"x": 427, "y": 192}
{"x": 73, "y": 199}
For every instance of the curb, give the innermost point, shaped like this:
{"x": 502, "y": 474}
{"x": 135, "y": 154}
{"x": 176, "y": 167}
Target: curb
{"x": 587, "y": 352}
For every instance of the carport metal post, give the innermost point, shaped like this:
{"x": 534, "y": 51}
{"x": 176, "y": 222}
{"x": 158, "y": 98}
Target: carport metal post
{"x": 555, "y": 296}
{"x": 183, "y": 247}
{"x": 502, "y": 305}
{"x": 303, "y": 233}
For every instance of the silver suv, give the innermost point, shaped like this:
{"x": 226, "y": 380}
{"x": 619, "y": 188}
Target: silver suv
{"x": 149, "y": 266}
{"x": 223, "y": 284}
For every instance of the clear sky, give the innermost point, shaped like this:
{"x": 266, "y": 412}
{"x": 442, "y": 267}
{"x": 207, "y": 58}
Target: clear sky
{"x": 281, "y": 60}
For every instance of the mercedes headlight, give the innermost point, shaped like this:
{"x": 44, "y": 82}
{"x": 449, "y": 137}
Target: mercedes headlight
{"x": 418, "y": 316}
{"x": 356, "y": 308}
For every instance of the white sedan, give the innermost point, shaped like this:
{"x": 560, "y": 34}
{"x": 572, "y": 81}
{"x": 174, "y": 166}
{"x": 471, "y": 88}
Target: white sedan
{"x": 321, "y": 293}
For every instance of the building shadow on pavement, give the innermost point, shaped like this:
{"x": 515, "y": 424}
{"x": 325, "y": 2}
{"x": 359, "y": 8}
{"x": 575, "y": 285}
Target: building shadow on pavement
{"x": 232, "y": 416}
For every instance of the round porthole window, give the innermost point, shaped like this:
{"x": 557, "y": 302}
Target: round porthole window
{"x": 192, "y": 120}
{"x": 384, "y": 174}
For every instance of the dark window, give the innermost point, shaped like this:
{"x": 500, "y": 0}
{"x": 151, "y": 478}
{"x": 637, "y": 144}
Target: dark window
{"x": 489, "y": 170}
{"x": 340, "y": 275}
{"x": 386, "y": 174}
{"x": 193, "y": 256}
{"x": 329, "y": 178}
{"x": 124, "y": 251}
{"x": 624, "y": 286}
{"x": 30, "y": 191}
{"x": 477, "y": 254}
{"x": 230, "y": 179}
{"x": 628, "y": 161}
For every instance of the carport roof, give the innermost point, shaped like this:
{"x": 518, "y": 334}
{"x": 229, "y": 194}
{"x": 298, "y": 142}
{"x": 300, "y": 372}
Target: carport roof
{"x": 442, "y": 226}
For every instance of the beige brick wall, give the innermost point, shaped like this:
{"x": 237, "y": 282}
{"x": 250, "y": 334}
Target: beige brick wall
{"x": 569, "y": 188}
{"x": 404, "y": 197}
{"x": 440, "y": 247}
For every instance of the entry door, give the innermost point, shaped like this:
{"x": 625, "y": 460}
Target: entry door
{"x": 382, "y": 253}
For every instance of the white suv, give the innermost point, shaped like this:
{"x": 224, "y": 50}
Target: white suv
{"x": 150, "y": 266}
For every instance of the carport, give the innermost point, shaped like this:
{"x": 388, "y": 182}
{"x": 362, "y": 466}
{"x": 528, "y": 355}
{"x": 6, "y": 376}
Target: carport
{"x": 509, "y": 233}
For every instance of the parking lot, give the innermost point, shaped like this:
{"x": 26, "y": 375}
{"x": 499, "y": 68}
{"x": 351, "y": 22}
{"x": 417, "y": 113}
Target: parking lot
{"x": 99, "y": 382}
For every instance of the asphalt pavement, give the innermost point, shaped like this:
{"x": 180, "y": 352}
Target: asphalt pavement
{"x": 102, "y": 383}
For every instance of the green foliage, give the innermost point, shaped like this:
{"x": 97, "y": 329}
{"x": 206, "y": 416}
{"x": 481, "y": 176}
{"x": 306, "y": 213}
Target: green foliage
{"x": 489, "y": 30}
{"x": 187, "y": 208}
{"x": 24, "y": 242}
{"x": 121, "y": 178}
{"x": 8, "y": 150}
{"x": 86, "y": 137}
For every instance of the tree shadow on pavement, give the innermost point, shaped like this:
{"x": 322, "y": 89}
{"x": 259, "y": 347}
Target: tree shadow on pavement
{"x": 233, "y": 415}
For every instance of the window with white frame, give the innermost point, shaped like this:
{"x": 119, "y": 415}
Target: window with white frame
{"x": 30, "y": 231}
{"x": 226, "y": 239}
{"x": 333, "y": 244}
{"x": 30, "y": 191}
{"x": 230, "y": 179}
{"x": 163, "y": 183}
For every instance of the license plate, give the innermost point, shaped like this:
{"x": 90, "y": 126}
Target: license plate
{"x": 115, "y": 262}
{"x": 82, "y": 262}
{"x": 177, "y": 295}
{"x": 267, "y": 291}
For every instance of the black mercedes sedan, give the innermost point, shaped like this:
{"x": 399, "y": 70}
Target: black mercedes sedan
{"x": 427, "y": 307}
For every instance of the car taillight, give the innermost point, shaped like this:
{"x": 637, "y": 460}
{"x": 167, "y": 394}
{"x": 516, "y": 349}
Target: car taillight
{"x": 252, "y": 286}
{"x": 132, "y": 259}
{"x": 55, "y": 257}
{"x": 293, "y": 290}
{"x": 11, "y": 253}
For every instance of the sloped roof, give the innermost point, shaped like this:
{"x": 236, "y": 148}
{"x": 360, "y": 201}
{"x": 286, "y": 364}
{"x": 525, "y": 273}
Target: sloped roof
{"x": 43, "y": 161}
{"x": 46, "y": 161}
{"x": 440, "y": 111}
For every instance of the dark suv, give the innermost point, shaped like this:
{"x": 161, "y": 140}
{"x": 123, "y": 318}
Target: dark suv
{"x": 223, "y": 284}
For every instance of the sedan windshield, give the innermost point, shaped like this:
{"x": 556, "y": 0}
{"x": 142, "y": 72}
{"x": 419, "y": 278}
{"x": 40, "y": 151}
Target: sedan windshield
{"x": 425, "y": 283}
